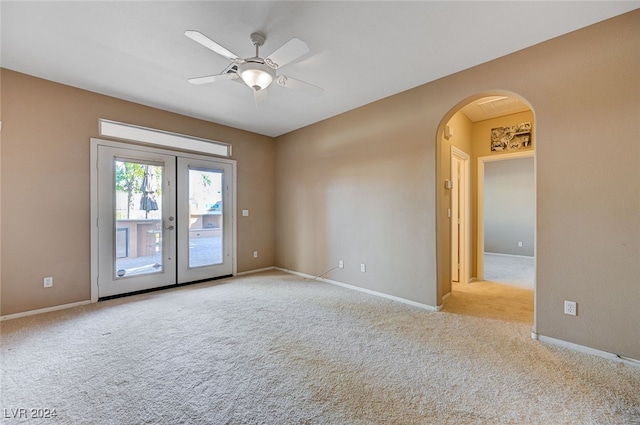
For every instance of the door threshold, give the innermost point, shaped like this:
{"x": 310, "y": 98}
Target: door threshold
{"x": 161, "y": 288}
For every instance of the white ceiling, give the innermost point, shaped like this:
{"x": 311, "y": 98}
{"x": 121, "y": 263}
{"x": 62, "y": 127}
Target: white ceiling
{"x": 360, "y": 51}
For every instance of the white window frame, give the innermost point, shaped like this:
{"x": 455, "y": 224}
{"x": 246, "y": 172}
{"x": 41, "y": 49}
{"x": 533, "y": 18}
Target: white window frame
{"x": 151, "y": 136}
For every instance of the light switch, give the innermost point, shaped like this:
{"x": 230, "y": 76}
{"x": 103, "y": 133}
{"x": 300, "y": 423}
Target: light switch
{"x": 245, "y": 213}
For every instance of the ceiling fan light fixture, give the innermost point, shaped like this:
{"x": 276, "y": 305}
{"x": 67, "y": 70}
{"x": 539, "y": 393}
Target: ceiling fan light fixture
{"x": 256, "y": 72}
{"x": 256, "y": 75}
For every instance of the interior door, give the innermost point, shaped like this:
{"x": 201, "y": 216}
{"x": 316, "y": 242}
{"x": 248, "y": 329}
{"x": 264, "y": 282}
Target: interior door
{"x": 136, "y": 220}
{"x": 455, "y": 219}
{"x": 205, "y": 219}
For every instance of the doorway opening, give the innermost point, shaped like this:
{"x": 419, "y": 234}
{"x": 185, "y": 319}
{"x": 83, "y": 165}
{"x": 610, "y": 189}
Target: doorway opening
{"x": 484, "y": 133}
{"x": 506, "y": 219}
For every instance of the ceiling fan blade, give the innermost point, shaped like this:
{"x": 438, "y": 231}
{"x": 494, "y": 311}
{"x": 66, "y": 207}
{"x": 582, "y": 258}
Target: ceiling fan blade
{"x": 292, "y": 83}
{"x": 261, "y": 97}
{"x": 205, "y": 41}
{"x": 213, "y": 78}
{"x": 289, "y": 51}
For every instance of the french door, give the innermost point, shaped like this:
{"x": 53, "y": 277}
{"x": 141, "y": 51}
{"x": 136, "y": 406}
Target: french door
{"x": 163, "y": 218}
{"x": 204, "y": 219}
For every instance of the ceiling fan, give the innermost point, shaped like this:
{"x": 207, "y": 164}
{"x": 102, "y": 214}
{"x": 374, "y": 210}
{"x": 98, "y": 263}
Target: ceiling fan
{"x": 257, "y": 73}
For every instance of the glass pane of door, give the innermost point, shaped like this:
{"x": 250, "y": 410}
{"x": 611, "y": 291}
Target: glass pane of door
{"x": 205, "y": 217}
{"x": 138, "y": 218}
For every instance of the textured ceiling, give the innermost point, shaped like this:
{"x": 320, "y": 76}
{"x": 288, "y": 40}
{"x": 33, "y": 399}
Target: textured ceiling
{"x": 359, "y": 51}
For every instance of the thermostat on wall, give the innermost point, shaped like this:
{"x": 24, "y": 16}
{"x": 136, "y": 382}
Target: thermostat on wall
{"x": 448, "y": 131}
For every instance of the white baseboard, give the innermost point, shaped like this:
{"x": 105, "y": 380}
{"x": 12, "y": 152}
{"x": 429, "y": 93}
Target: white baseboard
{"x": 588, "y": 350}
{"x": 509, "y": 255}
{"x": 71, "y": 305}
{"x": 266, "y": 269}
{"x": 366, "y": 291}
{"x": 43, "y": 310}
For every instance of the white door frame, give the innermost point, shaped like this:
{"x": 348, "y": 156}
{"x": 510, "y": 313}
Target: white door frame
{"x": 464, "y": 210}
{"x": 482, "y": 160}
{"x": 94, "y": 143}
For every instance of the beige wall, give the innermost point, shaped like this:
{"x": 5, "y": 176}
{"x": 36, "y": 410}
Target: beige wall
{"x": 45, "y": 186}
{"x": 362, "y": 186}
{"x": 346, "y": 189}
{"x": 462, "y": 137}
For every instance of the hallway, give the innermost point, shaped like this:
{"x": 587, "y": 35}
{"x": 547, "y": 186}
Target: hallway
{"x": 491, "y": 300}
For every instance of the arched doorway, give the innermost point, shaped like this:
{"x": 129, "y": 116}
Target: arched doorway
{"x": 483, "y": 129}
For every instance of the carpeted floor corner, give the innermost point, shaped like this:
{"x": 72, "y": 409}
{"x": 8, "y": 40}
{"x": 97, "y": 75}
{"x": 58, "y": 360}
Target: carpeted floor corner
{"x": 273, "y": 348}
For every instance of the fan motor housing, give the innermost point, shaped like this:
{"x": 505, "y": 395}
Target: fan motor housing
{"x": 257, "y": 39}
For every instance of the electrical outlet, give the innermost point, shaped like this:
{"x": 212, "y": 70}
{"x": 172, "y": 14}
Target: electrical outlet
{"x": 341, "y": 264}
{"x": 255, "y": 254}
{"x": 48, "y": 282}
{"x": 363, "y": 268}
{"x": 571, "y": 308}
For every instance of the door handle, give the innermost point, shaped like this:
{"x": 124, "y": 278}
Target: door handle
{"x": 170, "y": 227}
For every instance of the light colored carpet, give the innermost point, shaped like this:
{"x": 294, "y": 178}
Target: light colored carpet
{"x": 511, "y": 269}
{"x": 273, "y": 348}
